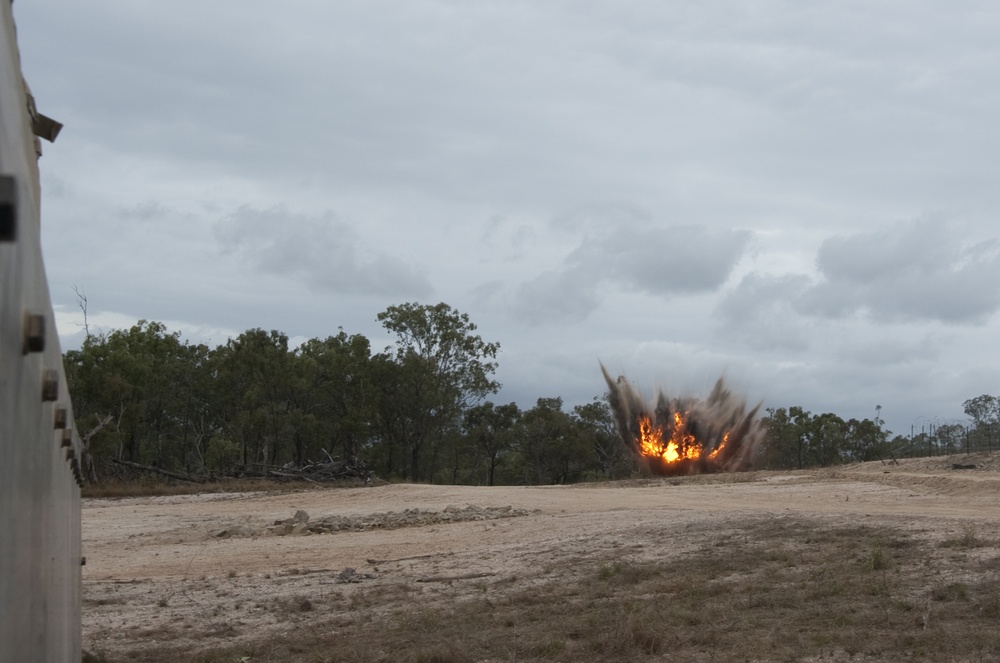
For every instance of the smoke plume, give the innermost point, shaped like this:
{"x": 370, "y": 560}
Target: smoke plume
{"x": 685, "y": 435}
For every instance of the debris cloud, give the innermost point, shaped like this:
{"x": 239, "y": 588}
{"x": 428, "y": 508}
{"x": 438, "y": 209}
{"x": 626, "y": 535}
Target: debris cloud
{"x": 685, "y": 435}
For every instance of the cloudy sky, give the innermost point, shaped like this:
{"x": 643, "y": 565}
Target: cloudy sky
{"x": 802, "y": 196}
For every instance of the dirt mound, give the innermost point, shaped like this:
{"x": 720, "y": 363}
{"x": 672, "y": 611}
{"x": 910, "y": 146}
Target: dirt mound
{"x": 300, "y": 523}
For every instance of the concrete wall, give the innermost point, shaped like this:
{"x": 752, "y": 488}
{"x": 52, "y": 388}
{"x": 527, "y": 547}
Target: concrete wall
{"x": 39, "y": 480}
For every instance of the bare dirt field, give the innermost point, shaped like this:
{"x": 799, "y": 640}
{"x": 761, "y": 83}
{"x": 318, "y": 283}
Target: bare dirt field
{"x": 865, "y": 562}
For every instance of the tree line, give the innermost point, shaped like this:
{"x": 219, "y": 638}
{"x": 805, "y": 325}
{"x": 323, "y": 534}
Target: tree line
{"x": 978, "y": 433}
{"x": 419, "y": 410}
{"x": 795, "y": 438}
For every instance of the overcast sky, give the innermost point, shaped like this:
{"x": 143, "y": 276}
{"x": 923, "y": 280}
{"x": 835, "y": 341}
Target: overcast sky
{"x": 802, "y": 196}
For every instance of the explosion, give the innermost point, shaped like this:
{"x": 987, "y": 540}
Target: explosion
{"x": 685, "y": 435}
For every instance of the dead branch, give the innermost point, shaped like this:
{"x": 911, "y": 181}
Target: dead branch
{"x": 85, "y": 456}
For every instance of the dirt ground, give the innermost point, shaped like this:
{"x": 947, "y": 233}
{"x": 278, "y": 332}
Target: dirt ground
{"x": 195, "y": 572}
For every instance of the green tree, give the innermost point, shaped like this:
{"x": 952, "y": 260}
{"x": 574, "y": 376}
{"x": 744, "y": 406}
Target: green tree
{"x": 985, "y": 414}
{"x": 795, "y": 438}
{"x": 596, "y": 424}
{"x": 144, "y": 378}
{"x": 253, "y": 394}
{"x": 865, "y": 440}
{"x": 826, "y": 437}
{"x": 491, "y": 430}
{"x": 951, "y": 438}
{"x": 786, "y": 438}
{"x": 199, "y": 418}
{"x": 983, "y": 410}
{"x": 553, "y": 445}
{"x": 439, "y": 367}
{"x": 337, "y": 395}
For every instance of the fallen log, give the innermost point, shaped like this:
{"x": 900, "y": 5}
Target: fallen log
{"x": 156, "y": 470}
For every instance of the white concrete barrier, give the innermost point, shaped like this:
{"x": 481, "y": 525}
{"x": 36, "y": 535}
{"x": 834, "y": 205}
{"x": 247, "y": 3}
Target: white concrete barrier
{"x": 40, "y": 478}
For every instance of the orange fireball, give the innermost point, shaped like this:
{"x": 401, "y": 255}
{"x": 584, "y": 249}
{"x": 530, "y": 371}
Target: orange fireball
{"x": 681, "y": 445}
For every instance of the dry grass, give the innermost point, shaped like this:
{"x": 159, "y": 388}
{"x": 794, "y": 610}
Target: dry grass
{"x": 783, "y": 589}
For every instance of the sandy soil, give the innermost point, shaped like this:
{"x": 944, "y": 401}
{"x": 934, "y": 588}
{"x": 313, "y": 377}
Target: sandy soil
{"x": 209, "y": 568}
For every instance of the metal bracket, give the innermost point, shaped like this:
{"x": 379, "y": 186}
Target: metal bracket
{"x": 8, "y": 208}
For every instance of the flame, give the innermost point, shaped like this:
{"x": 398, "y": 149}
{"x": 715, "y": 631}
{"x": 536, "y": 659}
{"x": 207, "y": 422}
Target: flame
{"x": 722, "y": 445}
{"x": 681, "y": 445}
{"x": 650, "y": 438}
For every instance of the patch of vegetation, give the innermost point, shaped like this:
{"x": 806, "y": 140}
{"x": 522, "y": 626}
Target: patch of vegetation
{"x": 877, "y": 560}
{"x": 968, "y": 539}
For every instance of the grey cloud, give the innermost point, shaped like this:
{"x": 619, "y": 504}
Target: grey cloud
{"x": 760, "y": 311}
{"x": 894, "y": 349}
{"x": 925, "y": 269}
{"x": 435, "y": 95}
{"x": 598, "y": 217}
{"x": 565, "y": 296}
{"x": 665, "y": 261}
{"x": 323, "y": 251}
{"x": 924, "y": 246}
{"x": 510, "y": 239}
{"x": 149, "y": 210}
{"x": 627, "y": 252}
